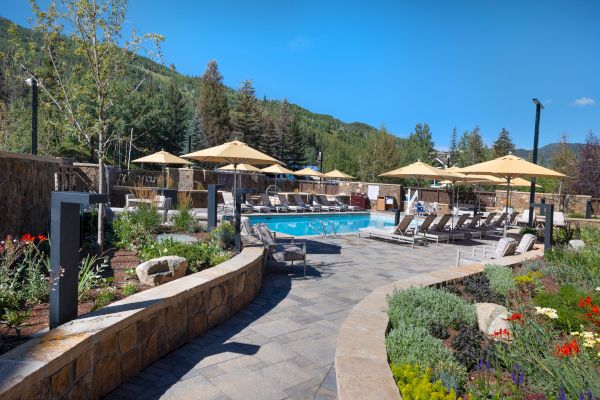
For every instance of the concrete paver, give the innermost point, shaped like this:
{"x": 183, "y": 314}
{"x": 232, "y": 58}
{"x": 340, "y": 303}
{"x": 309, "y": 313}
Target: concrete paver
{"x": 282, "y": 345}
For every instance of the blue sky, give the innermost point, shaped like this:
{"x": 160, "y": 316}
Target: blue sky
{"x": 450, "y": 64}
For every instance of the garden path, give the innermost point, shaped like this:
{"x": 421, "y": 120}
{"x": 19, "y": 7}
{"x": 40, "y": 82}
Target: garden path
{"x": 282, "y": 345}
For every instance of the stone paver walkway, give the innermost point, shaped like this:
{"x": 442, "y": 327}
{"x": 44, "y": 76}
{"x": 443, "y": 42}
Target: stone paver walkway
{"x": 282, "y": 345}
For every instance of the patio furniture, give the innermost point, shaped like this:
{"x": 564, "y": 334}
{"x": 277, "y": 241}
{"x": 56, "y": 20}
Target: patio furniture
{"x": 496, "y": 228}
{"x": 470, "y": 230}
{"x": 346, "y": 206}
{"x": 266, "y": 201}
{"x": 437, "y": 232}
{"x": 558, "y": 219}
{"x": 284, "y": 202}
{"x": 487, "y": 221}
{"x": 526, "y": 243}
{"x": 256, "y": 207}
{"x": 324, "y": 201}
{"x": 424, "y": 226}
{"x": 300, "y": 202}
{"x": 506, "y": 246}
{"x": 400, "y": 233}
{"x": 523, "y": 219}
{"x": 512, "y": 218}
{"x": 281, "y": 252}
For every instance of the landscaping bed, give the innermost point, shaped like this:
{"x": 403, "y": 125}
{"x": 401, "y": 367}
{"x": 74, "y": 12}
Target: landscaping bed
{"x": 104, "y": 278}
{"x": 545, "y": 346}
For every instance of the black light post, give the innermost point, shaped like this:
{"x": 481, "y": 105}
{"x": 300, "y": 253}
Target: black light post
{"x": 536, "y": 136}
{"x": 32, "y": 81}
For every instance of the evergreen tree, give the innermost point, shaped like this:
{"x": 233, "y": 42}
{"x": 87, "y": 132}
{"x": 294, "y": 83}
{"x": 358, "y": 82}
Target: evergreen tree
{"x": 196, "y": 139}
{"x": 503, "y": 145}
{"x": 282, "y": 128}
{"x": 173, "y": 120}
{"x": 247, "y": 118}
{"x": 453, "y": 151}
{"x": 295, "y": 145}
{"x": 213, "y": 107}
{"x": 475, "y": 147}
{"x": 420, "y": 145}
{"x": 270, "y": 142}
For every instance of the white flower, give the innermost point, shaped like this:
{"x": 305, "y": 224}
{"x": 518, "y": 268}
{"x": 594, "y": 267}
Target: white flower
{"x": 548, "y": 312}
{"x": 598, "y": 289}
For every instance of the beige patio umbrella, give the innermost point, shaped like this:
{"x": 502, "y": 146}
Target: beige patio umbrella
{"x": 337, "y": 174}
{"x": 517, "y": 182}
{"x": 234, "y": 152}
{"x": 163, "y": 158}
{"x": 308, "y": 172}
{"x": 240, "y": 167}
{"x": 510, "y": 167}
{"x": 277, "y": 169}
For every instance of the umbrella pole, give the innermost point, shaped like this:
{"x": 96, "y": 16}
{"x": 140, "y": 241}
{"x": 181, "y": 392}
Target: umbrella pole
{"x": 507, "y": 196}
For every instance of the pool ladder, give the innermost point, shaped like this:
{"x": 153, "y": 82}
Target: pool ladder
{"x": 323, "y": 231}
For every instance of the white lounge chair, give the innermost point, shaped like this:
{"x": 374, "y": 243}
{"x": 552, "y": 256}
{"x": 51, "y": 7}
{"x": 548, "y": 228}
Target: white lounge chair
{"x": 266, "y": 201}
{"x": 256, "y": 207}
{"x": 322, "y": 201}
{"x": 401, "y": 233}
{"x": 526, "y": 243}
{"x": 346, "y": 206}
{"x": 506, "y": 246}
{"x": 284, "y": 202}
{"x": 558, "y": 219}
{"x": 523, "y": 219}
{"x": 300, "y": 202}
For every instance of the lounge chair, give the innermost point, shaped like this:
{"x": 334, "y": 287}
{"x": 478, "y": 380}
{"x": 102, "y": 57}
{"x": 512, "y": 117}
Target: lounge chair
{"x": 470, "y": 230}
{"x": 282, "y": 252}
{"x": 506, "y": 246}
{"x": 558, "y": 219}
{"x": 284, "y": 202}
{"x": 496, "y": 227}
{"x": 524, "y": 218}
{"x": 256, "y": 207}
{"x": 324, "y": 202}
{"x": 437, "y": 232}
{"x": 526, "y": 243}
{"x": 423, "y": 227}
{"x": 512, "y": 218}
{"x": 227, "y": 204}
{"x": 487, "y": 221}
{"x": 400, "y": 233}
{"x": 300, "y": 202}
{"x": 348, "y": 207}
{"x": 266, "y": 201}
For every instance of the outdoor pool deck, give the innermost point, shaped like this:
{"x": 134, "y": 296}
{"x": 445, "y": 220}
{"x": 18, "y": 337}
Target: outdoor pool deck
{"x": 282, "y": 345}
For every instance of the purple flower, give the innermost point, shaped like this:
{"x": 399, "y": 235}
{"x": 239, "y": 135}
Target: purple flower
{"x": 517, "y": 375}
{"x": 562, "y": 395}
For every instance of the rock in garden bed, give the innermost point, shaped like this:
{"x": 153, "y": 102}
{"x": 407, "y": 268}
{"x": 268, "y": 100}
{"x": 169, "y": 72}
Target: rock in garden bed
{"x": 160, "y": 270}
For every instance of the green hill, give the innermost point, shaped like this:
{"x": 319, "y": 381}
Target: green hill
{"x": 547, "y": 152}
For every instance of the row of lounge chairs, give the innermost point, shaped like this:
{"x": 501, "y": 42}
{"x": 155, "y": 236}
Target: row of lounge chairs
{"x": 319, "y": 203}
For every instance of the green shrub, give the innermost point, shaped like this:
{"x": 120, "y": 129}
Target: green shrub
{"x": 565, "y": 302}
{"x": 500, "y": 279}
{"x": 15, "y": 319}
{"x": 578, "y": 268}
{"x": 133, "y": 228}
{"x": 414, "y": 345}
{"x": 129, "y": 288}
{"x": 424, "y": 307}
{"x": 199, "y": 255}
{"x": 90, "y": 275}
{"x": 478, "y": 286}
{"x": 104, "y": 298}
{"x": 224, "y": 235}
{"x": 416, "y": 384}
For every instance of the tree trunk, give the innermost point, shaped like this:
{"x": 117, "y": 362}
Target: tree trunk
{"x": 100, "y": 191}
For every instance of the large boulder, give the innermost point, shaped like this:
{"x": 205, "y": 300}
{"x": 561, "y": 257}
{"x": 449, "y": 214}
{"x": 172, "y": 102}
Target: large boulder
{"x": 160, "y": 270}
{"x": 576, "y": 244}
{"x": 491, "y": 317}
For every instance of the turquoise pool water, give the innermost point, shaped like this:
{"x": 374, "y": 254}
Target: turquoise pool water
{"x": 300, "y": 224}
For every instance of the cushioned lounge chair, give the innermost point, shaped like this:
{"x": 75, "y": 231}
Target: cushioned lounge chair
{"x": 266, "y": 201}
{"x": 436, "y": 233}
{"x": 322, "y": 201}
{"x": 470, "y": 229}
{"x": 256, "y": 207}
{"x": 401, "y": 233}
{"x": 300, "y": 202}
{"x": 282, "y": 252}
{"x": 348, "y": 207}
{"x": 285, "y": 203}
{"x": 506, "y": 246}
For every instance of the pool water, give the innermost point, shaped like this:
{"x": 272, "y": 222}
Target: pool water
{"x": 300, "y": 224}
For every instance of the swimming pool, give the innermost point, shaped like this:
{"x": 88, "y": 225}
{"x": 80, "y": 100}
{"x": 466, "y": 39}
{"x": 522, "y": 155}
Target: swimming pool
{"x": 300, "y": 224}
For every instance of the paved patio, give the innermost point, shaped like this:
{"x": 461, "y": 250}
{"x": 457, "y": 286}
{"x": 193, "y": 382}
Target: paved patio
{"x": 282, "y": 345}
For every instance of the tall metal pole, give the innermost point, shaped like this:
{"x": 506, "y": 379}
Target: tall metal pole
{"x": 34, "y": 112}
{"x": 536, "y": 136}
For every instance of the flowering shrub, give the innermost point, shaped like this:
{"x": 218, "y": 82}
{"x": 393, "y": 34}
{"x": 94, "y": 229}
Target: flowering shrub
{"x": 548, "y": 312}
{"x": 591, "y": 313}
{"x": 568, "y": 349}
{"x": 568, "y": 306}
{"x": 415, "y": 384}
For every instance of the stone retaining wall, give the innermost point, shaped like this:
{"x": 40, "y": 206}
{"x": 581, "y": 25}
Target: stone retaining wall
{"x": 94, "y": 354}
{"x": 361, "y": 361}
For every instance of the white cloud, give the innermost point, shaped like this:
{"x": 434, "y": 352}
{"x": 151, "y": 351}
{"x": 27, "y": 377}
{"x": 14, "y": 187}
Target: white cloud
{"x": 584, "y": 101}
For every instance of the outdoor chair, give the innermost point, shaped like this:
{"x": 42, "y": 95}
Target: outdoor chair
{"x": 506, "y": 246}
{"x": 487, "y": 221}
{"x": 437, "y": 232}
{"x": 423, "y": 227}
{"x": 526, "y": 243}
{"x": 284, "y": 202}
{"x": 470, "y": 230}
{"x": 512, "y": 218}
{"x": 558, "y": 219}
{"x": 402, "y": 233}
{"x": 324, "y": 201}
{"x": 227, "y": 204}
{"x": 256, "y": 207}
{"x": 496, "y": 227}
{"x": 266, "y": 201}
{"x": 300, "y": 202}
{"x": 346, "y": 206}
{"x": 523, "y": 219}
{"x": 282, "y": 252}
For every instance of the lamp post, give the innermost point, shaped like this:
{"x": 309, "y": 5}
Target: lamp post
{"x": 536, "y": 136}
{"x": 32, "y": 81}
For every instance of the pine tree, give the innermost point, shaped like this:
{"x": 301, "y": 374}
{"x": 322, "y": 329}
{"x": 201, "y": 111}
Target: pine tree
{"x": 213, "y": 107}
{"x": 195, "y": 135}
{"x": 475, "y": 146}
{"x": 173, "y": 120}
{"x": 503, "y": 145}
{"x": 453, "y": 151}
{"x": 420, "y": 144}
{"x": 247, "y": 121}
{"x": 270, "y": 142}
{"x": 295, "y": 148}
{"x": 282, "y": 127}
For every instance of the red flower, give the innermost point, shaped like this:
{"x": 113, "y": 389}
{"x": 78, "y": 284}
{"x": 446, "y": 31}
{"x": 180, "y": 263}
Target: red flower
{"x": 568, "y": 349}
{"x": 501, "y": 333}
{"x": 515, "y": 317}
{"x": 42, "y": 238}
{"x": 27, "y": 238}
